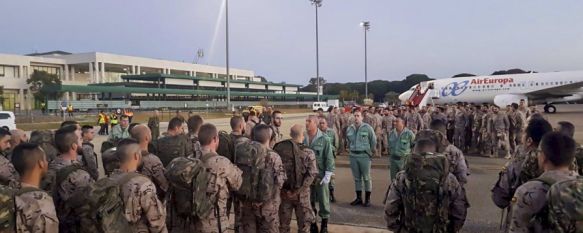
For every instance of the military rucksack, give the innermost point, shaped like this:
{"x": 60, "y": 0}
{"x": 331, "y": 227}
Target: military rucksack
{"x": 258, "y": 179}
{"x": 45, "y": 139}
{"x": 226, "y": 145}
{"x": 100, "y": 207}
{"x": 8, "y": 206}
{"x": 171, "y": 147}
{"x": 193, "y": 186}
{"x": 565, "y": 206}
{"x": 291, "y": 156}
{"x": 110, "y": 160}
{"x": 579, "y": 158}
{"x": 426, "y": 199}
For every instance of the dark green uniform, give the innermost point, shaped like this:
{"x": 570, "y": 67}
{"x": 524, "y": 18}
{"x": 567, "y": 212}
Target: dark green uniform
{"x": 322, "y": 147}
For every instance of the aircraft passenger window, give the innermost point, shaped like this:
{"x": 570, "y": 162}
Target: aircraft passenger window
{"x": 536, "y": 84}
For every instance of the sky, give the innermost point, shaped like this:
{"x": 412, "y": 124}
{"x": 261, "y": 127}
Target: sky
{"x": 276, "y": 38}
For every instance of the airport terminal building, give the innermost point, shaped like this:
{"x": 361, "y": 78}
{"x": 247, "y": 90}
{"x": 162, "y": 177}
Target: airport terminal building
{"x": 137, "y": 81}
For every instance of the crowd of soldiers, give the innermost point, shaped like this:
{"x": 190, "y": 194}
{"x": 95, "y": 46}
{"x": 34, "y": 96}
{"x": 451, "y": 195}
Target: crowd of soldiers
{"x": 191, "y": 177}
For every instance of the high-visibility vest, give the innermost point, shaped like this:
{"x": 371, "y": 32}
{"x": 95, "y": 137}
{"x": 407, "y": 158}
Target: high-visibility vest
{"x": 113, "y": 119}
{"x": 101, "y": 119}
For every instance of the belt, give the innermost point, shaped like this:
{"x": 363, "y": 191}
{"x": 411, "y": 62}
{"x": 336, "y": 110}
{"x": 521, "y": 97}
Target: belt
{"x": 358, "y": 152}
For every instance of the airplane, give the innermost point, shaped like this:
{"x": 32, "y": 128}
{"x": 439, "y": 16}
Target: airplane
{"x": 502, "y": 90}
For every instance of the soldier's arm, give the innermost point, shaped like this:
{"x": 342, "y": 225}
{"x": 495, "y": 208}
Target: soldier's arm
{"x": 458, "y": 210}
{"x": 461, "y": 170}
{"x": 373, "y": 139}
{"x": 501, "y": 192}
{"x": 152, "y": 208}
{"x": 233, "y": 174}
{"x": 90, "y": 161}
{"x": 394, "y": 205}
{"x": 312, "y": 171}
{"x": 336, "y": 140}
{"x": 280, "y": 175}
{"x": 46, "y": 220}
{"x": 530, "y": 198}
{"x": 76, "y": 182}
{"x": 158, "y": 171}
{"x": 7, "y": 172}
{"x": 328, "y": 154}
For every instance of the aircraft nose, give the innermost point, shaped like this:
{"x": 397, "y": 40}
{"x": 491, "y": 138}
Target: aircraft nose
{"x": 405, "y": 96}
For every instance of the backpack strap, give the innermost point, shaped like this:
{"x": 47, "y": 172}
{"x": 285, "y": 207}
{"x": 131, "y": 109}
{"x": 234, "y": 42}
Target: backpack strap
{"x": 127, "y": 177}
{"x": 26, "y": 190}
{"x": 64, "y": 172}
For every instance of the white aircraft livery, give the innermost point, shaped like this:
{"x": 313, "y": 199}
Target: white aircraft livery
{"x": 501, "y": 90}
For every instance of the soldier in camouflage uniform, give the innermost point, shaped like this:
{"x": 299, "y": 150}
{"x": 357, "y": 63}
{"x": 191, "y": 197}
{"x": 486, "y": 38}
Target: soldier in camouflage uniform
{"x": 387, "y": 128}
{"x": 8, "y": 174}
{"x": 276, "y": 122}
{"x": 151, "y": 165}
{"x": 154, "y": 125}
{"x": 398, "y": 220}
{"x": 439, "y": 115}
{"x": 499, "y": 132}
{"x": 379, "y": 133}
{"x": 175, "y": 140}
{"x": 413, "y": 120}
{"x": 460, "y": 124}
{"x": 35, "y": 208}
{"x": 89, "y": 157}
{"x": 530, "y": 198}
{"x": 476, "y": 128}
{"x": 264, "y": 217}
{"x": 68, "y": 143}
{"x": 511, "y": 176}
{"x": 193, "y": 124}
{"x": 143, "y": 209}
{"x": 228, "y": 179}
{"x": 299, "y": 200}
{"x": 450, "y": 113}
{"x": 517, "y": 124}
{"x": 426, "y": 117}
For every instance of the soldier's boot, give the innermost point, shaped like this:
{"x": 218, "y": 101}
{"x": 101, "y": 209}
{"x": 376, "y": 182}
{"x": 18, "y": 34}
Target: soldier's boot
{"x": 314, "y": 228}
{"x": 324, "y": 228}
{"x": 332, "y": 198}
{"x": 358, "y": 200}
{"x": 366, "y": 199}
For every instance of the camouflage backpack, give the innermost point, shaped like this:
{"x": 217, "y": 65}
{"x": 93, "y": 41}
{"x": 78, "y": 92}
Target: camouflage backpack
{"x": 529, "y": 169}
{"x": 291, "y": 155}
{"x": 171, "y": 147}
{"x": 193, "y": 186}
{"x": 565, "y": 206}
{"x": 426, "y": 199}
{"x": 110, "y": 160}
{"x": 226, "y": 145}
{"x": 258, "y": 180}
{"x": 8, "y": 206}
{"x": 45, "y": 139}
{"x": 579, "y": 158}
{"x": 100, "y": 207}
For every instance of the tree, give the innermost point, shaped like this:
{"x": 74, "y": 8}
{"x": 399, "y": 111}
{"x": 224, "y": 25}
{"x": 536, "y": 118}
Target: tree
{"x": 38, "y": 82}
{"x": 313, "y": 81}
{"x": 512, "y": 71}
{"x": 392, "y": 97}
{"x": 463, "y": 75}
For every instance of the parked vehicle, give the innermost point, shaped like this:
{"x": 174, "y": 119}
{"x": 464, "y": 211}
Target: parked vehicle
{"x": 319, "y": 106}
{"x": 7, "y": 119}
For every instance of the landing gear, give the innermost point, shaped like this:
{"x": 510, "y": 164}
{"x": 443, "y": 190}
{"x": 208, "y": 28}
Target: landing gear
{"x": 549, "y": 108}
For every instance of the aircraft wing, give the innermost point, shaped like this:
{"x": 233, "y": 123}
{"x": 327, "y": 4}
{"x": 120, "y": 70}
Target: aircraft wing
{"x": 556, "y": 92}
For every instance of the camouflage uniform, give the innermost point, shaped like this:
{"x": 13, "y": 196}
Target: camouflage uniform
{"x": 264, "y": 217}
{"x": 142, "y": 208}
{"x": 228, "y": 179}
{"x": 169, "y": 143}
{"x": 8, "y": 174}
{"x": 379, "y": 133}
{"x": 278, "y": 134}
{"x": 450, "y": 113}
{"x": 299, "y": 200}
{"x": 531, "y": 198}
{"x": 426, "y": 119}
{"x": 89, "y": 159}
{"x": 35, "y": 212}
{"x": 387, "y": 127}
{"x": 154, "y": 125}
{"x": 414, "y": 122}
{"x": 516, "y": 128}
{"x": 75, "y": 182}
{"x": 476, "y": 128}
{"x": 398, "y": 221}
{"x": 485, "y": 133}
{"x": 461, "y": 122}
{"x": 196, "y": 148}
{"x": 500, "y": 126}
{"x": 152, "y": 168}
{"x": 439, "y": 116}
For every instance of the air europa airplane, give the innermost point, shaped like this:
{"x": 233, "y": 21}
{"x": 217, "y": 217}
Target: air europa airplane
{"x": 502, "y": 90}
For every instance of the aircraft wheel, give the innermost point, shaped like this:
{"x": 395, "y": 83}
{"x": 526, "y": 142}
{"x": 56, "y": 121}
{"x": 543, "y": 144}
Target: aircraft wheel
{"x": 550, "y": 108}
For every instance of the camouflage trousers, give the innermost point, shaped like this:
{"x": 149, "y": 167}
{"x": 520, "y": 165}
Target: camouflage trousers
{"x": 384, "y": 142}
{"x": 500, "y": 142}
{"x": 211, "y": 224}
{"x": 476, "y": 139}
{"x": 459, "y": 137}
{"x": 379, "y": 145}
{"x": 515, "y": 139}
{"x": 263, "y": 218}
{"x": 486, "y": 147}
{"x": 300, "y": 203}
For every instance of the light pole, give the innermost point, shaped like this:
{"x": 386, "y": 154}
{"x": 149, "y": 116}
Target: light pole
{"x": 317, "y": 4}
{"x": 227, "y": 54}
{"x": 366, "y": 26}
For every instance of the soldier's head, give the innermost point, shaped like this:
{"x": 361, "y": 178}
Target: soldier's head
{"x": 514, "y": 106}
{"x": 18, "y": 136}
{"x": 141, "y": 133}
{"x": 425, "y": 146}
{"x": 73, "y": 123}
{"x": 208, "y": 136}
{"x": 124, "y": 121}
{"x": 194, "y": 123}
{"x": 129, "y": 155}
{"x": 357, "y": 117}
{"x": 67, "y": 141}
{"x": 4, "y": 140}
{"x": 320, "y": 112}
{"x": 87, "y": 133}
{"x": 312, "y": 123}
{"x": 535, "y": 131}
{"x": 557, "y": 151}
{"x": 175, "y": 126}
{"x": 495, "y": 109}
{"x": 399, "y": 123}
{"x": 566, "y": 128}
{"x": 297, "y": 133}
{"x": 438, "y": 125}
{"x": 238, "y": 124}
{"x": 262, "y": 133}
{"x": 30, "y": 161}
{"x": 277, "y": 117}
{"x": 322, "y": 124}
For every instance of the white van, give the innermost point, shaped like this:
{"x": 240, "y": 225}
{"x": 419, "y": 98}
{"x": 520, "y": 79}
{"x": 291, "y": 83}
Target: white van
{"x": 7, "y": 119}
{"x": 319, "y": 106}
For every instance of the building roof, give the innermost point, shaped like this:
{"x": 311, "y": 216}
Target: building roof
{"x": 156, "y": 77}
{"x": 50, "y": 53}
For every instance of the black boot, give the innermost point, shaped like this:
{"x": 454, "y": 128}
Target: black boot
{"x": 324, "y": 228}
{"x": 332, "y": 198}
{"x": 358, "y": 200}
{"x": 366, "y": 199}
{"x": 314, "y": 228}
